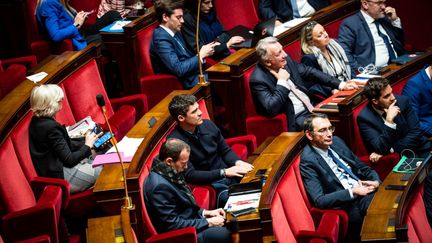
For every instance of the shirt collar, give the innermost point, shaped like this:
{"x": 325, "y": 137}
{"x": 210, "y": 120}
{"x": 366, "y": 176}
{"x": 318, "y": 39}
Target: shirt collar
{"x": 322, "y": 152}
{"x": 170, "y": 32}
{"x": 367, "y": 17}
{"x": 380, "y": 112}
{"x": 427, "y": 71}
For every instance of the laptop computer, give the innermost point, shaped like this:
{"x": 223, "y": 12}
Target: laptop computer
{"x": 260, "y": 31}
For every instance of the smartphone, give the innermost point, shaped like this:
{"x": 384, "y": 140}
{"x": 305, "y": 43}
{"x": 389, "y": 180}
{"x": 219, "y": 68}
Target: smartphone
{"x": 102, "y": 140}
{"x": 260, "y": 172}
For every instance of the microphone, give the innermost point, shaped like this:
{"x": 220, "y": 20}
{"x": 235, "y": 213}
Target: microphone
{"x": 201, "y": 76}
{"x": 234, "y": 228}
{"x": 101, "y": 103}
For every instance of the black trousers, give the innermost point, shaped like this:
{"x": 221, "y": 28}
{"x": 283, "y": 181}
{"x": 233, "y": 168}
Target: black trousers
{"x": 356, "y": 213}
{"x": 214, "y": 235}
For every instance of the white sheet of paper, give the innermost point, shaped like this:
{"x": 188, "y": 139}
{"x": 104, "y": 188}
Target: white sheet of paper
{"x": 288, "y": 25}
{"x": 127, "y": 145}
{"x": 37, "y": 77}
{"x": 118, "y": 25}
{"x": 239, "y": 202}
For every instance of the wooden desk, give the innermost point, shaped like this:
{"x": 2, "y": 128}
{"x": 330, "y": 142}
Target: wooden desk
{"x": 378, "y": 225}
{"x": 342, "y": 116}
{"x": 104, "y": 229}
{"x": 276, "y": 158}
{"x": 227, "y": 76}
{"x": 123, "y": 48}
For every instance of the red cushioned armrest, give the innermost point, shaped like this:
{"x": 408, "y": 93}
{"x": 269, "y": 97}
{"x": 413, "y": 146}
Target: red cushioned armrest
{"x": 139, "y": 101}
{"x": 34, "y": 221}
{"x": 328, "y": 230}
{"x": 273, "y": 126}
{"x": 248, "y": 140}
{"x": 184, "y": 235}
{"x": 37, "y": 239}
{"x": 343, "y": 219}
{"x": 38, "y": 185}
{"x": 28, "y": 61}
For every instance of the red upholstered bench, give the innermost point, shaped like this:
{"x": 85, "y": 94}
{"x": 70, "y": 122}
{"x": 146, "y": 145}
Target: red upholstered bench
{"x": 295, "y": 220}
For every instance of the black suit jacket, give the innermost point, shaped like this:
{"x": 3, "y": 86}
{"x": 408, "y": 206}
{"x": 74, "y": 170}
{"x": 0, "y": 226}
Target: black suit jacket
{"x": 169, "y": 207}
{"x": 51, "y": 148}
{"x": 356, "y": 39}
{"x": 209, "y": 153}
{"x": 282, "y": 9}
{"x": 379, "y": 138}
{"x": 271, "y": 99}
{"x": 322, "y": 185}
{"x": 169, "y": 57}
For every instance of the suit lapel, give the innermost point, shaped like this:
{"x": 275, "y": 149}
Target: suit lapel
{"x": 369, "y": 33}
{"x": 324, "y": 165}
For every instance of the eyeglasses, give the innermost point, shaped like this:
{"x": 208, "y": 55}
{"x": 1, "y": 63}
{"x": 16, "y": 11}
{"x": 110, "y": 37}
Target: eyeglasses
{"x": 325, "y": 130}
{"x": 377, "y": 2}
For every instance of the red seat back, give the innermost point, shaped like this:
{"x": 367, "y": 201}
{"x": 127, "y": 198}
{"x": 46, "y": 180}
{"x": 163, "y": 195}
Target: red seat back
{"x": 15, "y": 191}
{"x": 294, "y": 50}
{"x": 419, "y": 229}
{"x": 333, "y": 28}
{"x": 359, "y": 149}
{"x": 291, "y": 197}
{"x": 249, "y": 105}
{"x": 81, "y": 88}
{"x": 399, "y": 86}
{"x": 144, "y": 38}
{"x": 281, "y": 226}
{"x": 245, "y": 13}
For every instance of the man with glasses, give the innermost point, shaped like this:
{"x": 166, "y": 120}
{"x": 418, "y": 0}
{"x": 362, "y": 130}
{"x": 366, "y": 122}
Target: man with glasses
{"x": 374, "y": 35}
{"x": 168, "y": 51}
{"x": 333, "y": 176}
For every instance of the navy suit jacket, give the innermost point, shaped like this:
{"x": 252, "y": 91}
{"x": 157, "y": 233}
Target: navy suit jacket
{"x": 356, "y": 39}
{"x": 209, "y": 153}
{"x": 419, "y": 90}
{"x": 169, "y": 57}
{"x": 282, "y": 9}
{"x": 322, "y": 185}
{"x": 271, "y": 99}
{"x": 379, "y": 138}
{"x": 169, "y": 207}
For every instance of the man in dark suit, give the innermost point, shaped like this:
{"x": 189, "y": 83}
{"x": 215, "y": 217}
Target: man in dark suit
{"x": 170, "y": 202}
{"x": 279, "y": 85}
{"x": 212, "y": 161}
{"x": 388, "y": 123}
{"x": 285, "y": 10}
{"x": 168, "y": 51}
{"x": 333, "y": 176}
{"x": 374, "y": 35}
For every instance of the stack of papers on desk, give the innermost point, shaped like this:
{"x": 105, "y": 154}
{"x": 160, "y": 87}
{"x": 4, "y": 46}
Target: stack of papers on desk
{"x": 288, "y": 25}
{"x": 127, "y": 148}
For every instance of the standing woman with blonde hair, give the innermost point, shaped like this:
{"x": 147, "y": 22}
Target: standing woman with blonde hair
{"x": 60, "y": 21}
{"x": 53, "y": 153}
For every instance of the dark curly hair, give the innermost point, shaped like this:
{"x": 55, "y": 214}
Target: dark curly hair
{"x": 374, "y": 87}
{"x": 180, "y": 104}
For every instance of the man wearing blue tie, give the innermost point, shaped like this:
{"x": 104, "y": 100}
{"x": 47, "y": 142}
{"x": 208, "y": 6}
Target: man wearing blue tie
{"x": 333, "y": 176}
{"x": 168, "y": 51}
{"x": 374, "y": 35}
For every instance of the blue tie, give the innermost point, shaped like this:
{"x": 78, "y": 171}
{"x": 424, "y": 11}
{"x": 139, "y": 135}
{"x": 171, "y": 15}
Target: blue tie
{"x": 386, "y": 41}
{"x": 342, "y": 165}
{"x": 296, "y": 13}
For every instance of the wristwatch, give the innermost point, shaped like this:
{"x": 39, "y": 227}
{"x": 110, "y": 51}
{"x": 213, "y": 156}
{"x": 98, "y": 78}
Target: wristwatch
{"x": 222, "y": 173}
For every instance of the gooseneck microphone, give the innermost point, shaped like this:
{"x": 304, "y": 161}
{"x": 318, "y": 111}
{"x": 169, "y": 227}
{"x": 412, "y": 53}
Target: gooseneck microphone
{"x": 101, "y": 103}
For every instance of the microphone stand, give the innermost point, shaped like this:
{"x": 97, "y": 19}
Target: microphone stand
{"x": 201, "y": 78}
{"x": 125, "y": 209}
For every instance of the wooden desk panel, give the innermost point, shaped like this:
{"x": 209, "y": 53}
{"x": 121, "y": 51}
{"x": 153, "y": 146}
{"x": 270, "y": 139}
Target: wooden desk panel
{"x": 123, "y": 48}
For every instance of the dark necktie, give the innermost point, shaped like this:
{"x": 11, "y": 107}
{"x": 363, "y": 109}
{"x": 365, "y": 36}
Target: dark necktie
{"x": 296, "y": 13}
{"x": 179, "y": 40}
{"x": 340, "y": 164}
{"x": 386, "y": 41}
